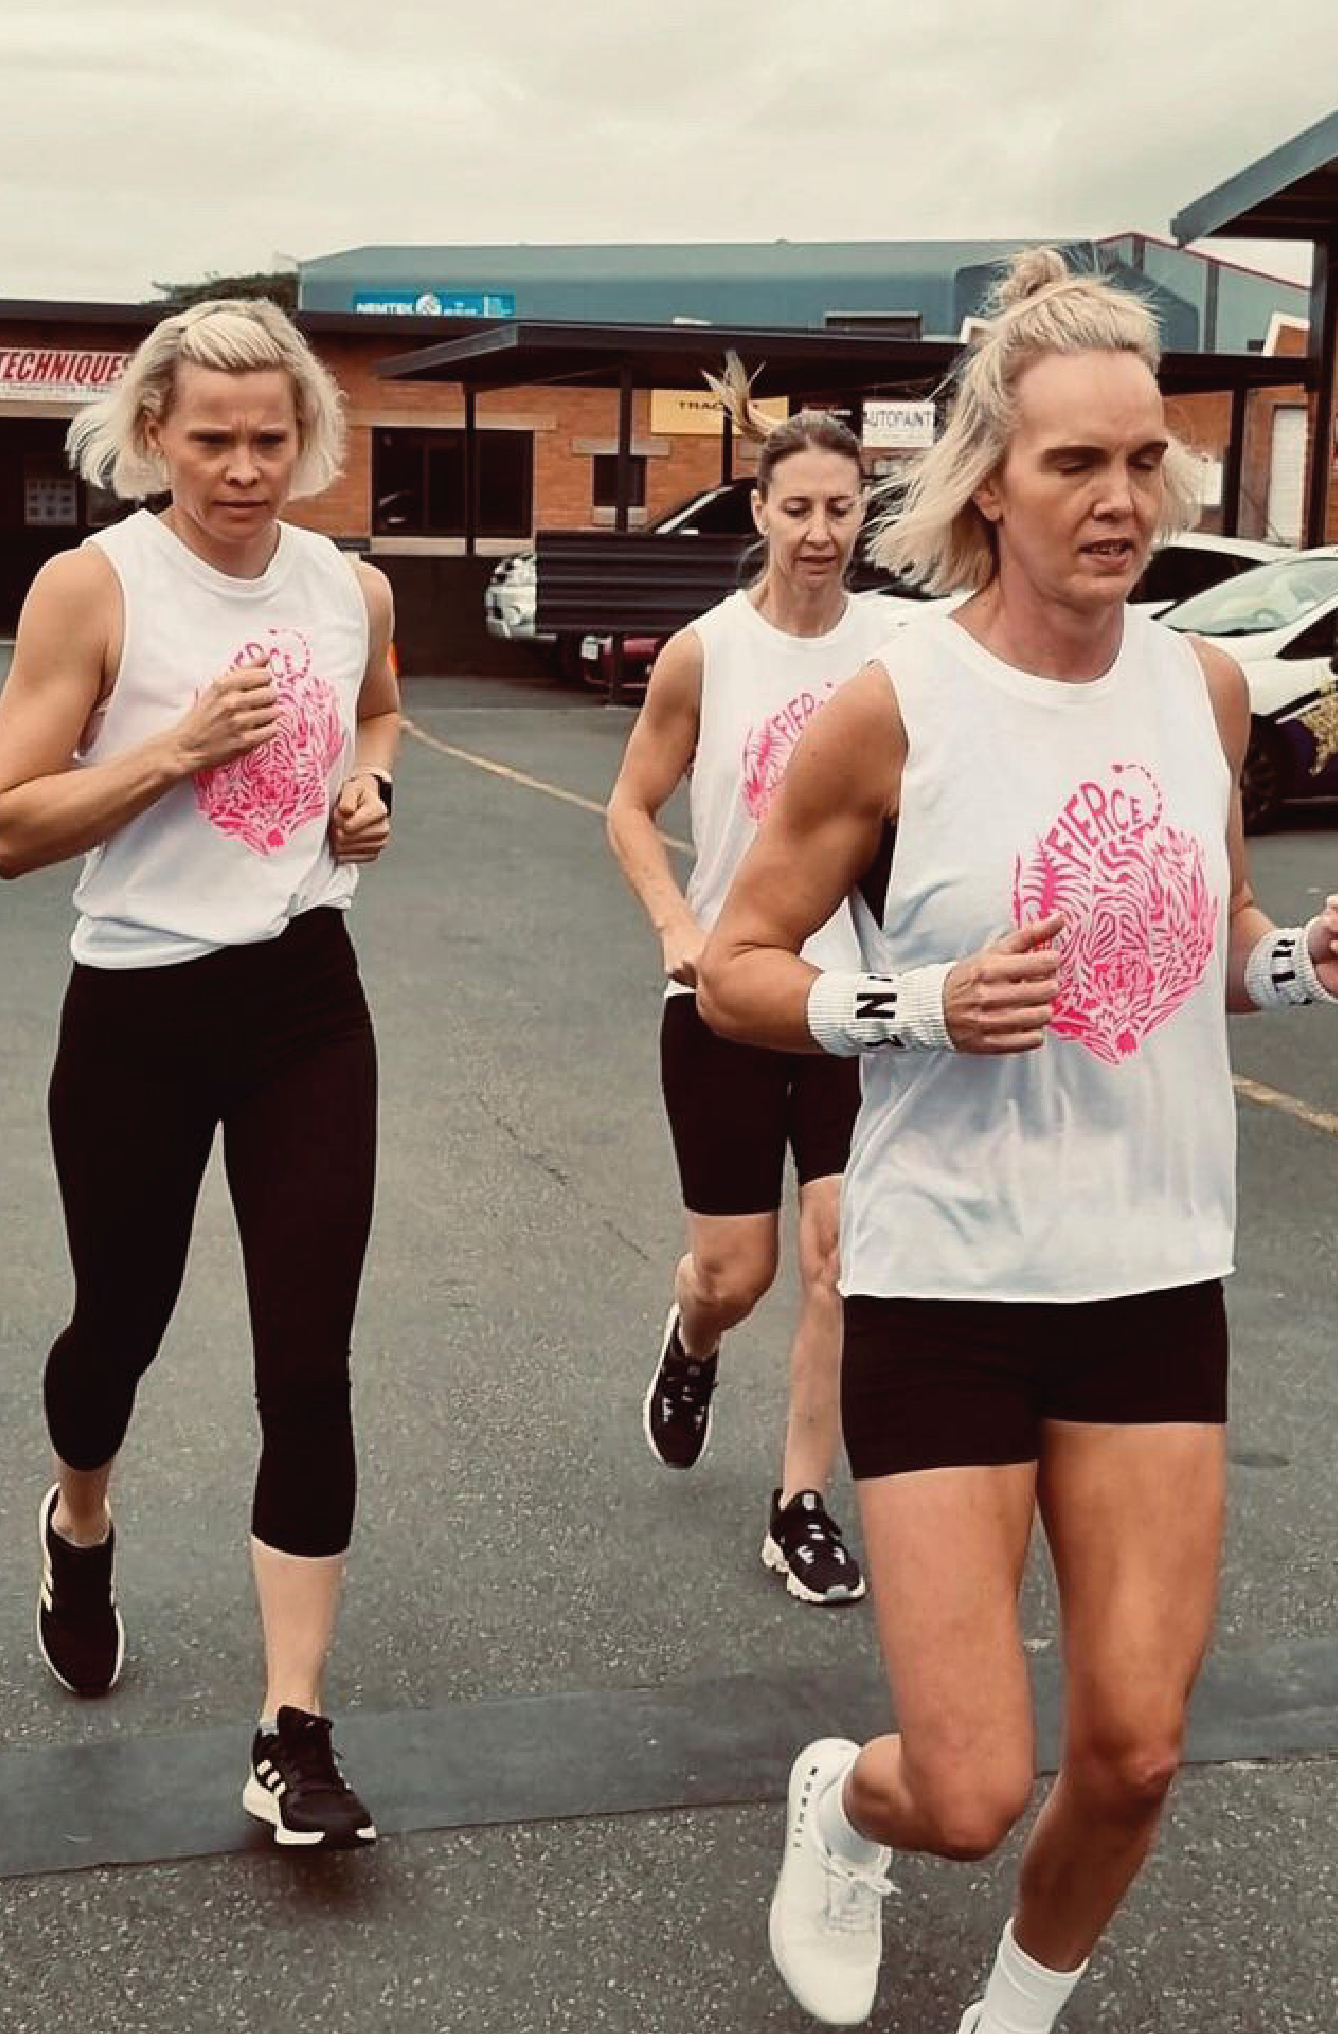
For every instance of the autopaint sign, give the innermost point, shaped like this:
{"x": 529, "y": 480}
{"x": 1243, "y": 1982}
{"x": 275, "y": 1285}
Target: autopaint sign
{"x": 898, "y": 427}
{"x": 435, "y": 303}
{"x": 57, "y": 374}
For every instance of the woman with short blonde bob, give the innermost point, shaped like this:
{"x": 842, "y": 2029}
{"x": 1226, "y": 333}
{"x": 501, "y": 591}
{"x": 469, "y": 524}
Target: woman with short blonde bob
{"x": 1039, "y": 1207}
{"x": 201, "y": 704}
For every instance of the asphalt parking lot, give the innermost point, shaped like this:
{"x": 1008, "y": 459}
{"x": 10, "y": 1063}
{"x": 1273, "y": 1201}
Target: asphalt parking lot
{"x": 569, "y": 1672}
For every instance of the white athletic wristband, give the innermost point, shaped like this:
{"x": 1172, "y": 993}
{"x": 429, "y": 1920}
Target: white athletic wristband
{"x": 849, "y": 1014}
{"x": 1280, "y": 973}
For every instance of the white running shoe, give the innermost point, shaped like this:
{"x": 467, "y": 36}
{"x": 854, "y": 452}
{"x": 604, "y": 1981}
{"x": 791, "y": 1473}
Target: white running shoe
{"x": 826, "y": 1925}
{"x": 972, "y": 2018}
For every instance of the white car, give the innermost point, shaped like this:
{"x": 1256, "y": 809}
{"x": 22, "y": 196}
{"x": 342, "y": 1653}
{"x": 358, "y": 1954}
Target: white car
{"x": 1281, "y": 622}
{"x": 1183, "y": 566}
{"x": 1191, "y": 563}
{"x": 509, "y": 599}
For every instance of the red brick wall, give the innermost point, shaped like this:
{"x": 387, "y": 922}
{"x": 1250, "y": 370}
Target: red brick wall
{"x": 563, "y": 419}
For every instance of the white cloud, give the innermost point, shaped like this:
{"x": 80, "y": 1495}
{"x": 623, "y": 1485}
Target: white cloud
{"x": 146, "y": 143}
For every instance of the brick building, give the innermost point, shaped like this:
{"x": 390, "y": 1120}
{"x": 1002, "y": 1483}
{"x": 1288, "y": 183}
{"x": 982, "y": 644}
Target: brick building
{"x": 546, "y": 454}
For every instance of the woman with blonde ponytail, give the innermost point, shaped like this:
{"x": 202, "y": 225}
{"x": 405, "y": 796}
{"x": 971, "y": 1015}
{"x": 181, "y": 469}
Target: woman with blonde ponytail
{"x": 728, "y": 699}
{"x": 1033, "y": 803}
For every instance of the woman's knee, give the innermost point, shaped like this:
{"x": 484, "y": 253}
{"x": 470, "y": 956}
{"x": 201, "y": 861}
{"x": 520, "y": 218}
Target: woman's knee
{"x": 731, "y": 1283}
{"x": 820, "y": 1248}
{"x": 965, "y": 1808}
{"x": 968, "y": 1823}
{"x": 1127, "y": 1768}
{"x": 820, "y": 1268}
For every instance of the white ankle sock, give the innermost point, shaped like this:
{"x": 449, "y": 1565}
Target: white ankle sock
{"x": 1022, "y": 1996}
{"x": 838, "y": 1832}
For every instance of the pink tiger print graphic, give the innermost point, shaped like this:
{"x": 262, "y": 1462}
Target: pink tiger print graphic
{"x": 767, "y": 749}
{"x": 1141, "y": 922}
{"x": 264, "y": 797}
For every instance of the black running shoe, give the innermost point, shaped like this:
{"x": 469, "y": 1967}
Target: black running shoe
{"x": 79, "y": 1629}
{"x": 676, "y": 1413}
{"x": 296, "y": 1786}
{"x": 805, "y": 1546}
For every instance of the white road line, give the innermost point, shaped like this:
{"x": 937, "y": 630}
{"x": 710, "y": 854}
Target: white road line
{"x": 522, "y": 778}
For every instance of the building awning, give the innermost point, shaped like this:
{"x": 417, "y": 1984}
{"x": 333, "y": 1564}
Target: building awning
{"x": 790, "y": 362}
{"x": 787, "y": 363}
{"x": 1290, "y": 194}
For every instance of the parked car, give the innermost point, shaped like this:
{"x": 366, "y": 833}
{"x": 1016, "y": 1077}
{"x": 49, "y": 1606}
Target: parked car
{"x": 510, "y": 596}
{"x": 1192, "y": 563}
{"x": 1184, "y": 566}
{"x": 1281, "y": 622}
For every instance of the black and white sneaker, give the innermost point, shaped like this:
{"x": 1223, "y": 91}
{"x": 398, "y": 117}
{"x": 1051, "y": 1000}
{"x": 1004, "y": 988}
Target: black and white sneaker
{"x": 79, "y": 1630}
{"x": 806, "y": 1547}
{"x": 676, "y": 1412}
{"x": 296, "y": 1786}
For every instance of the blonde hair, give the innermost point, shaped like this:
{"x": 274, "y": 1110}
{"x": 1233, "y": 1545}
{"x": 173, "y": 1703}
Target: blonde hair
{"x": 937, "y": 536}
{"x": 239, "y": 335}
{"x": 816, "y": 429}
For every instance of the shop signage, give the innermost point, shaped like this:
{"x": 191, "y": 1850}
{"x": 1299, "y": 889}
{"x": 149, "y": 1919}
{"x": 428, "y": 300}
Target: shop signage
{"x": 55, "y": 373}
{"x": 434, "y": 303}
{"x": 898, "y": 427}
{"x": 696, "y": 413}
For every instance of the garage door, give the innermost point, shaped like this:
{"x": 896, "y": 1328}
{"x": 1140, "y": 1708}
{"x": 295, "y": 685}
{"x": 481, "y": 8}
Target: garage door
{"x": 1286, "y": 474}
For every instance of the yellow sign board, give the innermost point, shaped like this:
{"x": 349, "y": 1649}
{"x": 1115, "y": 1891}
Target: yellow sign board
{"x": 678, "y": 412}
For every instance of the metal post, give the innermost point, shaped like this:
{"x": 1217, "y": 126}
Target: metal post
{"x": 622, "y": 511}
{"x": 1211, "y": 294}
{"x": 1324, "y": 359}
{"x": 1234, "y": 467}
{"x": 471, "y": 472}
{"x": 623, "y": 496}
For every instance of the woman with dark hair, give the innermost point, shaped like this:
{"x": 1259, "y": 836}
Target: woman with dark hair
{"x": 728, "y": 700}
{"x": 1039, "y": 1207}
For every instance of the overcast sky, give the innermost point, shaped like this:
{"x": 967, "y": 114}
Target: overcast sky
{"x": 158, "y": 140}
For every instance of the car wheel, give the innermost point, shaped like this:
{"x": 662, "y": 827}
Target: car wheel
{"x": 1265, "y": 777}
{"x": 567, "y": 657}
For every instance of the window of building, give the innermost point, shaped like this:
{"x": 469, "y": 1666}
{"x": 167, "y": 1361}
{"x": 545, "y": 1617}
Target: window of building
{"x": 605, "y": 484}
{"x": 418, "y": 483}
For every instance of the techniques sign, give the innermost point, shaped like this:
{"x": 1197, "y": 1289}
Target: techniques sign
{"x": 58, "y": 373}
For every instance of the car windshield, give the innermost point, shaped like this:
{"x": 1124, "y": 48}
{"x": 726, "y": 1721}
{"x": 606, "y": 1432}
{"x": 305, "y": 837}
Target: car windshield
{"x": 1269, "y": 597}
{"x": 720, "y": 511}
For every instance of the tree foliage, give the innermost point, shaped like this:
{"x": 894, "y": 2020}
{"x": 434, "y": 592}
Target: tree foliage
{"x": 279, "y": 284}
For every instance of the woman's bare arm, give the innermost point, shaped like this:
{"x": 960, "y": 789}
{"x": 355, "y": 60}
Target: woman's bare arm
{"x": 659, "y": 751}
{"x": 840, "y": 788}
{"x": 49, "y": 809}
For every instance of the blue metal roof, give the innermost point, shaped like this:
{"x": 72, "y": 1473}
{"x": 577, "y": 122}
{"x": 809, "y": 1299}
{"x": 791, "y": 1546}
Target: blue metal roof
{"x": 758, "y": 283}
{"x": 801, "y": 285}
{"x": 1289, "y": 194}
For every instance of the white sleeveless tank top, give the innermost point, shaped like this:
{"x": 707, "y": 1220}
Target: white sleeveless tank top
{"x": 760, "y": 688}
{"x": 231, "y": 855}
{"x": 1104, "y": 1163}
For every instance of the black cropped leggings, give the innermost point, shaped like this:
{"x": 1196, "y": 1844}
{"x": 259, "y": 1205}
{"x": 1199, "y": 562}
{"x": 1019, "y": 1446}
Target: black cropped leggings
{"x": 274, "y": 1042}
